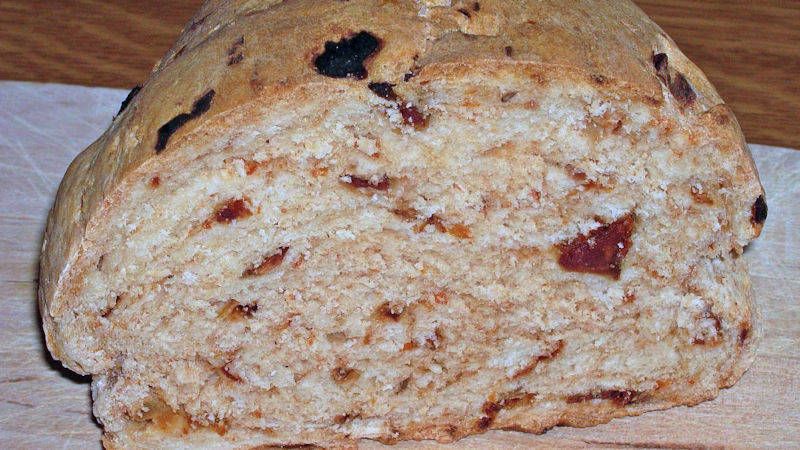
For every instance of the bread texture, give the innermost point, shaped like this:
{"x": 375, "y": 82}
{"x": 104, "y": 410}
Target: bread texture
{"x": 322, "y": 221}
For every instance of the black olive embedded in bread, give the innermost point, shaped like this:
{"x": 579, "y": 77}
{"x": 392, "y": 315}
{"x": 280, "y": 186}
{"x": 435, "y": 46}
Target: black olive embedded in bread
{"x": 317, "y": 222}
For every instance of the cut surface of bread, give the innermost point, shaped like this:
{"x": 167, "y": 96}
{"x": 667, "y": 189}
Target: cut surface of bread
{"x": 318, "y": 222}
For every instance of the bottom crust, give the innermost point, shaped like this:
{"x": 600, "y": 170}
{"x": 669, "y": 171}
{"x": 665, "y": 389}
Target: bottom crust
{"x": 529, "y": 418}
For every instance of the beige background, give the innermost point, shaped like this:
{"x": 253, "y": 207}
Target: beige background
{"x": 42, "y": 406}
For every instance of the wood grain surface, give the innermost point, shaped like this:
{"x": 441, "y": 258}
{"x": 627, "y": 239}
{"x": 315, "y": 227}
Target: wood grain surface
{"x": 43, "y": 406}
{"x": 749, "y": 49}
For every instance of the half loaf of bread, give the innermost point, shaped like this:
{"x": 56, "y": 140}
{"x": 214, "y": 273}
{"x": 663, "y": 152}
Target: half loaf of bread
{"x": 321, "y": 221}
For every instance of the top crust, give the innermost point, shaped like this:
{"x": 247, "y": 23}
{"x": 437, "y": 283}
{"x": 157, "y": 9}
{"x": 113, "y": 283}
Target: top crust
{"x": 250, "y": 52}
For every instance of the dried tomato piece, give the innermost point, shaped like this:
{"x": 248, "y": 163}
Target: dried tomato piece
{"x": 230, "y": 374}
{"x": 268, "y": 263}
{"x": 358, "y": 182}
{"x": 383, "y": 90}
{"x": 387, "y": 311}
{"x": 232, "y": 210}
{"x": 344, "y": 374}
{"x": 491, "y": 409}
{"x": 601, "y": 251}
{"x": 681, "y": 89}
{"x": 620, "y": 398}
{"x": 432, "y": 220}
{"x": 716, "y": 324}
{"x": 341, "y": 419}
{"x": 744, "y": 334}
{"x": 412, "y": 116}
{"x": 246, "y": 310}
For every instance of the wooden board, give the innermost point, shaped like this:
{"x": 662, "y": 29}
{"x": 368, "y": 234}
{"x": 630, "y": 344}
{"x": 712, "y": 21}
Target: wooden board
{"x": 42, "y": 127}
{"x": 749, "y": 49}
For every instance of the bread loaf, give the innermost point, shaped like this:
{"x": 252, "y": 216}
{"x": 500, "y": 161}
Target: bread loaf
{"x": 322, "y": 221}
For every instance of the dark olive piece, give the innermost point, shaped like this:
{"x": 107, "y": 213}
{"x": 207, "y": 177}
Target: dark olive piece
{"x": 168, "y": 129}
{"x": 660, "y": 62}
{"x": 346, "y": 57}
{"x": 128, "y": 99}
{"x": 759, "y": 212}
